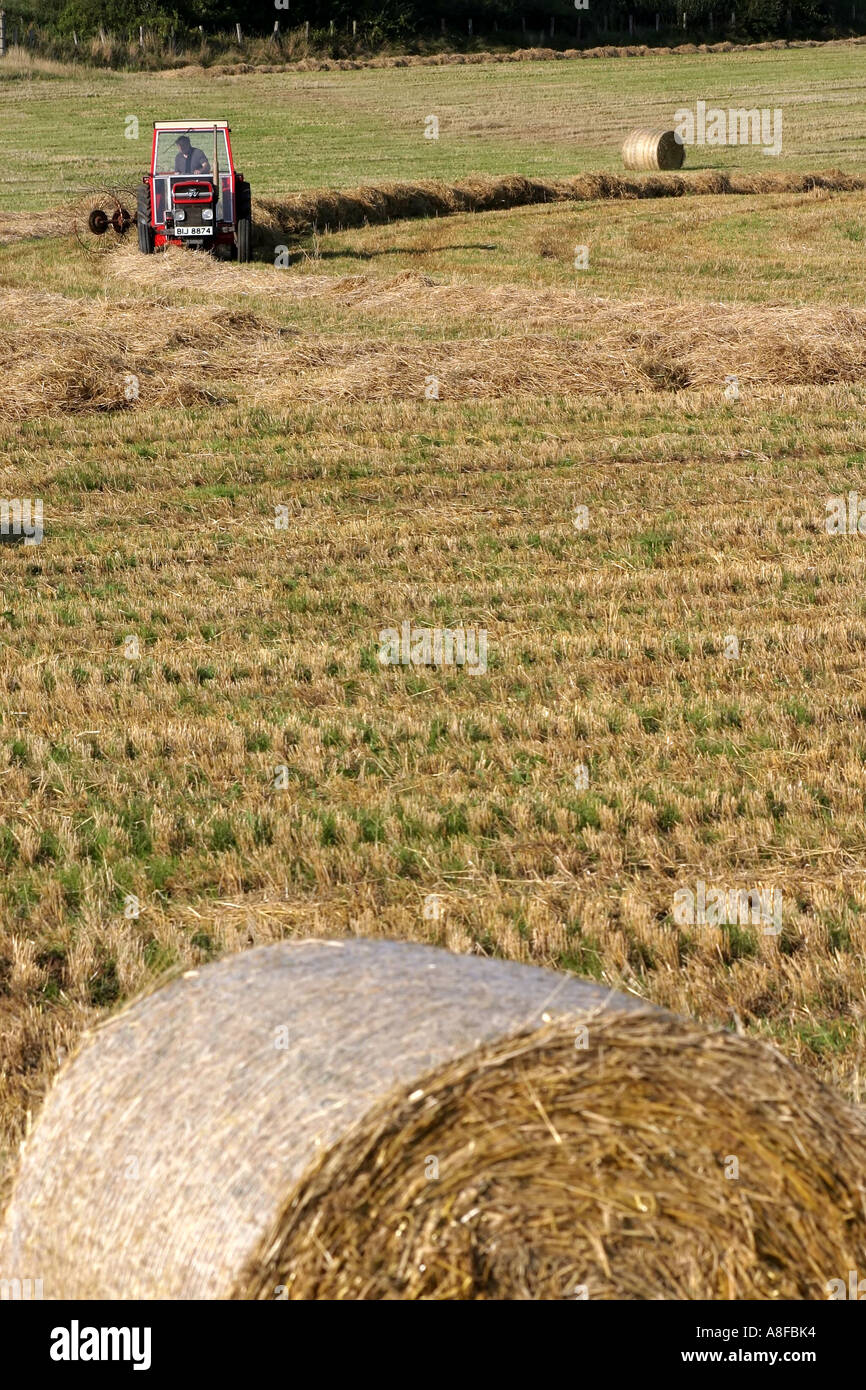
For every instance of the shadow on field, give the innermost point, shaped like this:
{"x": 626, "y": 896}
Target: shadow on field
{"x": 264, "y": 255}
{"x": 404, "y": 251}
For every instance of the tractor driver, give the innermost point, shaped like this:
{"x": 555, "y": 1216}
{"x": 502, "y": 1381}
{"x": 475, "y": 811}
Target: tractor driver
{"x": 190, "y": 159}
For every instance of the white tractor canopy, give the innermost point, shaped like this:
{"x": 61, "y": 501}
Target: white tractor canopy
{"x": 207, "y": 136}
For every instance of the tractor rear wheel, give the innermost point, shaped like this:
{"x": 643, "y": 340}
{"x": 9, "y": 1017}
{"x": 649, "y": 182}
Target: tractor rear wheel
{"x": 145, "y": 231}
{"x": 244, "y": 238}
{"x": 145, "y": 238}
{"x": 244, "y": 228}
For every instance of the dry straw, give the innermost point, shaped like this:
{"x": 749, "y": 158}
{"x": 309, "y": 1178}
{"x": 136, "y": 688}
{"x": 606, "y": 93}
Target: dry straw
{"x": 64, "y": 355}
{"x": 371, "y": 1119}
{"x": 330, "y": 209}
{"x": 484, "y": 57}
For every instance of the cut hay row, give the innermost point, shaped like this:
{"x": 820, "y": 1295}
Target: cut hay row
{"x": 670, "y": 351}
{"x": 72, "y": 356}
{"x": 69, "y": 218}
{"x": 19, "y": 226}
{"x": 326, "y": 209}
{"x": 371, "y": 1119}
{"x": 333, "y": 209}
{"x": 520, "y": 55}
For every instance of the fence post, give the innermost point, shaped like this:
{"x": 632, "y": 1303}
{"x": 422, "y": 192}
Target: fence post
{"x": 658, "y": 21}
{"x": 2, "y": 33}
{"x": 75, "y": 38}
{"x": 354, "y": 27}
{"x": 276, "y": 29}
{"x": 552, "y": 26}
{"x": 238, "y": 32}
{"x": 631, "y": 24}
{"x": 331, "y": 27}
{"x": 141, "y": 36}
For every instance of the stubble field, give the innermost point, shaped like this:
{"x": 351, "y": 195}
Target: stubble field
{"x": 279, "y": 490}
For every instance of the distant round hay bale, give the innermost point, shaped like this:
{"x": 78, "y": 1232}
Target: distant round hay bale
{"x": 372, "y": 1119}
{"x": 652, "y": 149}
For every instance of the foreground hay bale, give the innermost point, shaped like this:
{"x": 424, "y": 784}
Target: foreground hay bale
{"x": 367, "y": 1119}
{"x": 652, "y": 149}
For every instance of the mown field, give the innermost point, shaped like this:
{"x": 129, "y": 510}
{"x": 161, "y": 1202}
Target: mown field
{"x": 66, "y": 133}
{"x": 421, "y": 803}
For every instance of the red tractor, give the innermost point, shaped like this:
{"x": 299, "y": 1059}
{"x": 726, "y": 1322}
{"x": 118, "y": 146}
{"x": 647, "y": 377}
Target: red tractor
{"x": 193, "y": 195}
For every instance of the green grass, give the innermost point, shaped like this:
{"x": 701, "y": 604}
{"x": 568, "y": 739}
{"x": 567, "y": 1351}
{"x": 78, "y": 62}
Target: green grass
{"x": 637, "y": 250}
{"x": 64, "y": 135}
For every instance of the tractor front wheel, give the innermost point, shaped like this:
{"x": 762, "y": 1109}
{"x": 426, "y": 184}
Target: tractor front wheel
{"x": 244, "y": 238}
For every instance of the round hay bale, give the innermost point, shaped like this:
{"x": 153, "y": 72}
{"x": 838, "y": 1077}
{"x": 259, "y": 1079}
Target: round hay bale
{"x": 652, "y": 149}
{"x": 371, "y": 1119}
{"x": 166, "y": 1147}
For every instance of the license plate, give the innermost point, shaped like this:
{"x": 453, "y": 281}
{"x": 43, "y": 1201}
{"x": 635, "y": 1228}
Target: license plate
{"x": 193, "y": 231}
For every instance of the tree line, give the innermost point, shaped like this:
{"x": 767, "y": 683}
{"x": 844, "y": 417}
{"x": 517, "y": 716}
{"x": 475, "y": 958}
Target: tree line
{"x": 462, "y": 22}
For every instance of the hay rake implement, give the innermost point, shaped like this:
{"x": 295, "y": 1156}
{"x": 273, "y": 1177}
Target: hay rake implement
{"x": 106, "y": 210}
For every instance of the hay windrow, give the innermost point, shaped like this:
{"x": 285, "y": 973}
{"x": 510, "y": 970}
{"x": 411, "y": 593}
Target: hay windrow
{"x": 540, "y": 54}
{"x": 331, "y": 209}
{"x": 72, "y": 356}
{"x": 68, "y": 356}
{"x": 334, "y": 209}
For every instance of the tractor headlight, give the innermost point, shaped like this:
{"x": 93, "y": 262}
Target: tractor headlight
{"x": 179, "y": 215}
{"x": 207, "y": 214}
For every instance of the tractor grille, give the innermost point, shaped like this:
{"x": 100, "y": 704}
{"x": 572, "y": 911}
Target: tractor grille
{"x": 190, "y": 199}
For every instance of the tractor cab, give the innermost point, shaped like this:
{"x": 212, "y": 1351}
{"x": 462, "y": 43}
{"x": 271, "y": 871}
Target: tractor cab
{"x": 193, "y": 195}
